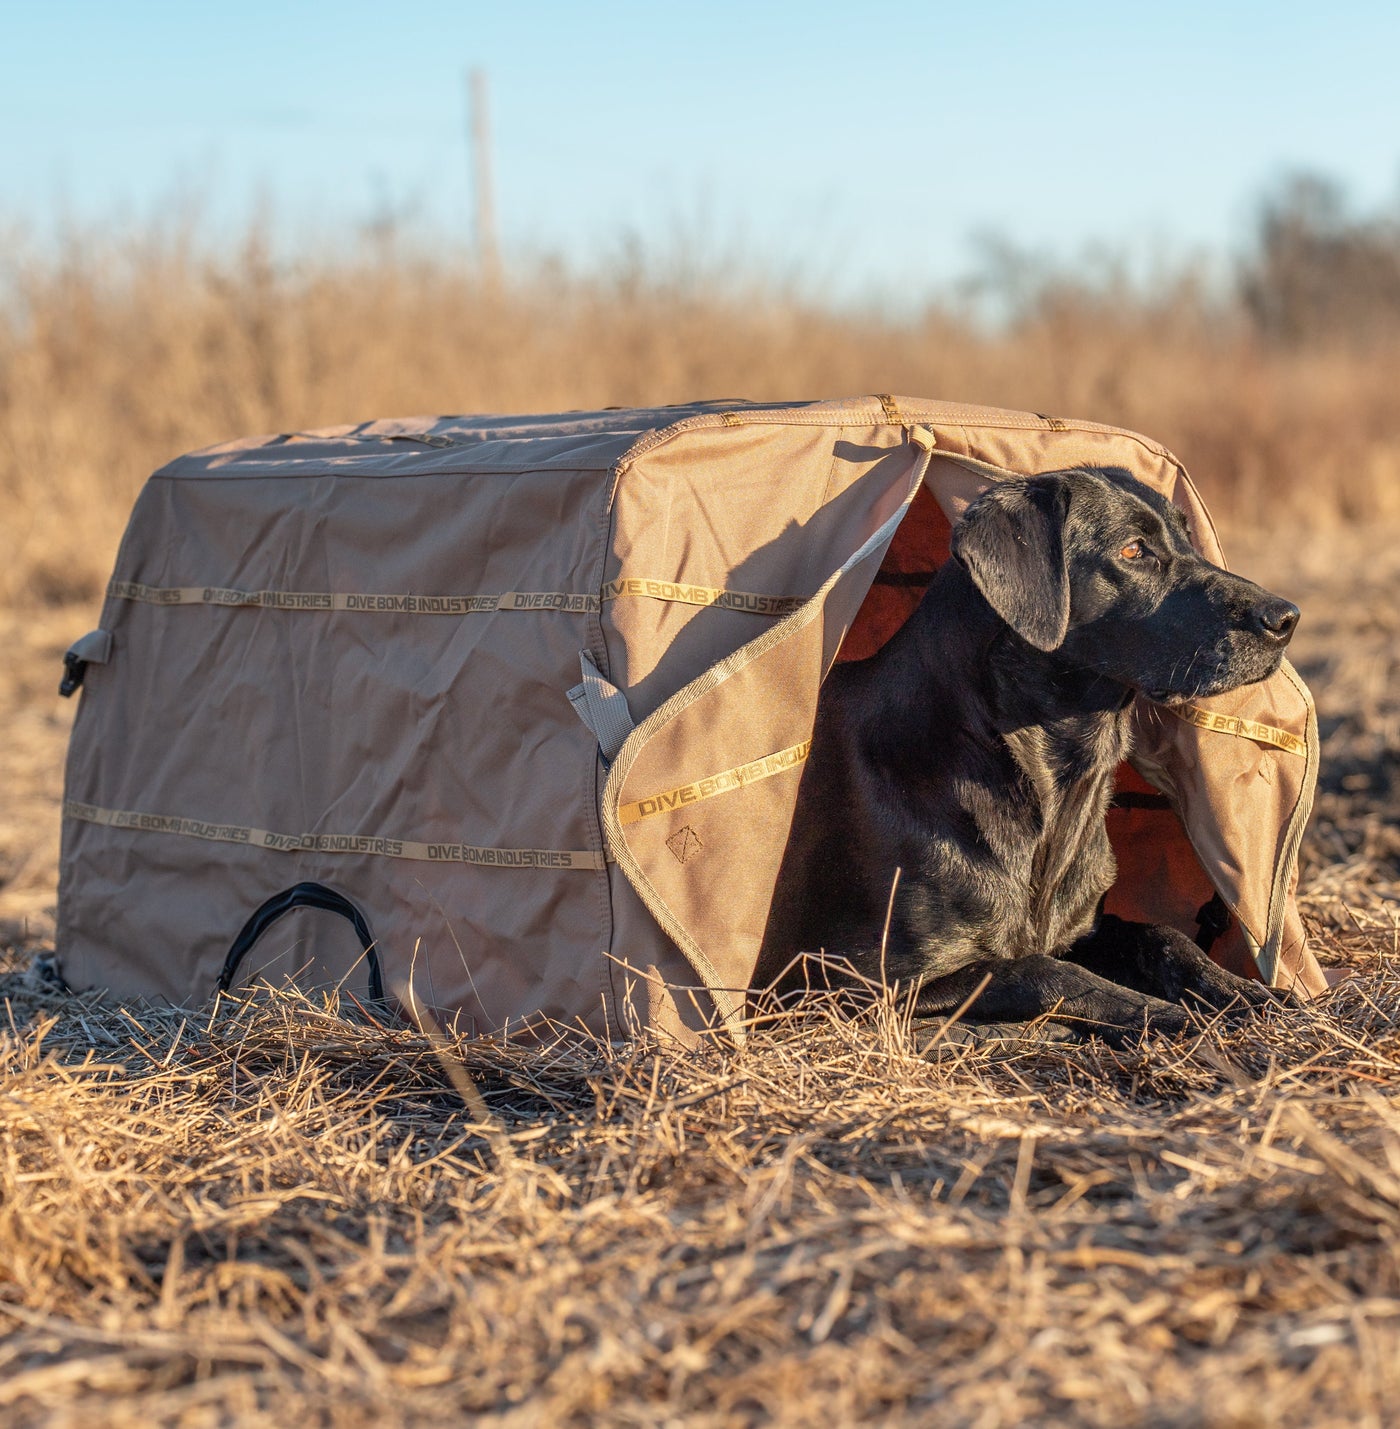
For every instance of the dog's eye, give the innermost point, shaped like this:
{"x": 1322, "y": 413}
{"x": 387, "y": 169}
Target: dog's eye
{"x": 1133, "y": 551}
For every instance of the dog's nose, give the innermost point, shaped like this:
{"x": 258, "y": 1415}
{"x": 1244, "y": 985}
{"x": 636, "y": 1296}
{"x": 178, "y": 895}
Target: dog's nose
{"x": 1275, "y": 620}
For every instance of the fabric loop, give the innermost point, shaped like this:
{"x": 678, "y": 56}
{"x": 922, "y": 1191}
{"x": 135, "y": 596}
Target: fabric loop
{"x": 602, "y": 707}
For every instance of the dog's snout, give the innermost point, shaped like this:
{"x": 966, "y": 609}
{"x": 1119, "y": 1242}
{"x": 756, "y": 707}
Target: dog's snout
{"x": 1275, "y": 619}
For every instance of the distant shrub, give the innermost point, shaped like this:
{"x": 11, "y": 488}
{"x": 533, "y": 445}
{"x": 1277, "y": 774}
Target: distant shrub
{"x": 1317, "y": 272}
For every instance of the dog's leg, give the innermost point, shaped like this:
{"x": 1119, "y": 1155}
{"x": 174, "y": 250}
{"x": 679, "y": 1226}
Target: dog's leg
{"x": 1019, "y": 989}
{"x": 1163, "y": 962}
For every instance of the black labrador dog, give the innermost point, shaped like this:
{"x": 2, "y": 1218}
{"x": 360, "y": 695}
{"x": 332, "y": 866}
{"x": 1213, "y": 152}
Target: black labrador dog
{"x": 975, "y": 755}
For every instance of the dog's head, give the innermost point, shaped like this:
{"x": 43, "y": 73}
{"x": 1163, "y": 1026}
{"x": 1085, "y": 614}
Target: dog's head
{"x": 1099, "y": 568}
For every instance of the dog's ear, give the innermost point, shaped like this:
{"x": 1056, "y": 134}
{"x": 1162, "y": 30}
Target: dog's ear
{"x": 1012, "y": 542}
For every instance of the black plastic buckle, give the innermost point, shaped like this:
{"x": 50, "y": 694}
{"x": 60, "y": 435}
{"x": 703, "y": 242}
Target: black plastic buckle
{"x": 74, "y": 668}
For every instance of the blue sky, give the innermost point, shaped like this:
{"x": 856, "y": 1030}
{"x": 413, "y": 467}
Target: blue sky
{"x": 852, "y": 148}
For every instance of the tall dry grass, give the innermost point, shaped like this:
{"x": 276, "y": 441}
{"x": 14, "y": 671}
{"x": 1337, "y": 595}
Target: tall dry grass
{"x": 117, "y": 354}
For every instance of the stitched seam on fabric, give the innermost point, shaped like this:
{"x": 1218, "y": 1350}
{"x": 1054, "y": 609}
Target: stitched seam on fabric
{"x": 1160, "y": 779}
{"x": 782, "y": 417}
{"x": 831, "y": 469}
{"x": 1185, "y": 476}
{"x": 1293, "y": 832}
{"x": 235, "y": 466}
{"x": 594, "y": 773}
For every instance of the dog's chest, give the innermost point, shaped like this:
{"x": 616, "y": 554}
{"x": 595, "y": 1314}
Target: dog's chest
{"x": 1058, "y": 857}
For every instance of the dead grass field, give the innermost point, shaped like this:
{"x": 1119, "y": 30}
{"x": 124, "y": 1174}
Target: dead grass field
{"x": 276, "y": 1214}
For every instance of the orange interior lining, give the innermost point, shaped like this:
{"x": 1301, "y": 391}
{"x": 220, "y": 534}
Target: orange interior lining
{"x": 1160, "y": 880}
{"x": 919, "y": 547}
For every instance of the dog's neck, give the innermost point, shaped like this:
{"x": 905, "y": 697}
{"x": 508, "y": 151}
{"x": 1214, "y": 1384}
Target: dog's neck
{"x": 1058, "y": 719}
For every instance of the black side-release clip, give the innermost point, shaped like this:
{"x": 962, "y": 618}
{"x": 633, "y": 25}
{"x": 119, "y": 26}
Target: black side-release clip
{"x": 95, "y": 648}
{"x": 73, "y": 671}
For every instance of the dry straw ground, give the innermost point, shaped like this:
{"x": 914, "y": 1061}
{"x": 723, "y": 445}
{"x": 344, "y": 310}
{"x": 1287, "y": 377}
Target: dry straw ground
{"x": 274, "y": 1212}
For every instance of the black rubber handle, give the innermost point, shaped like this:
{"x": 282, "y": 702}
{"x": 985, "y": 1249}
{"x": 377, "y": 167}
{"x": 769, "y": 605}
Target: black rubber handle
{"x": 303, "y": 895}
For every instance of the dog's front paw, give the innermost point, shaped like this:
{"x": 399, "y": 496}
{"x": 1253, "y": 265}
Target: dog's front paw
{"x": 1186, "y": 974}
{"x": 1167, "y": 1019}
{"x": 1236, "y": 997}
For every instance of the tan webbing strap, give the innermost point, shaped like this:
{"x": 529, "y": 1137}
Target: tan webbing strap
{"x": 602, "y": 707}
{"x": 682, "y": 594}
{"x": 94, "y": 648}
{"x": 358, "y": 601}
{"x": 1241, "y": 728}
{"x": 334, "y": 843}
{"x": 567, "y": 602}
{"x": 736, "y": 778}
{"x": 891, "y": 409}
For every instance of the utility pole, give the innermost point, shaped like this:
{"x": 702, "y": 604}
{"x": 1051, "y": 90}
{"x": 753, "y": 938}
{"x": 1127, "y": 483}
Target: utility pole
{"x": 484, "y": 208}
